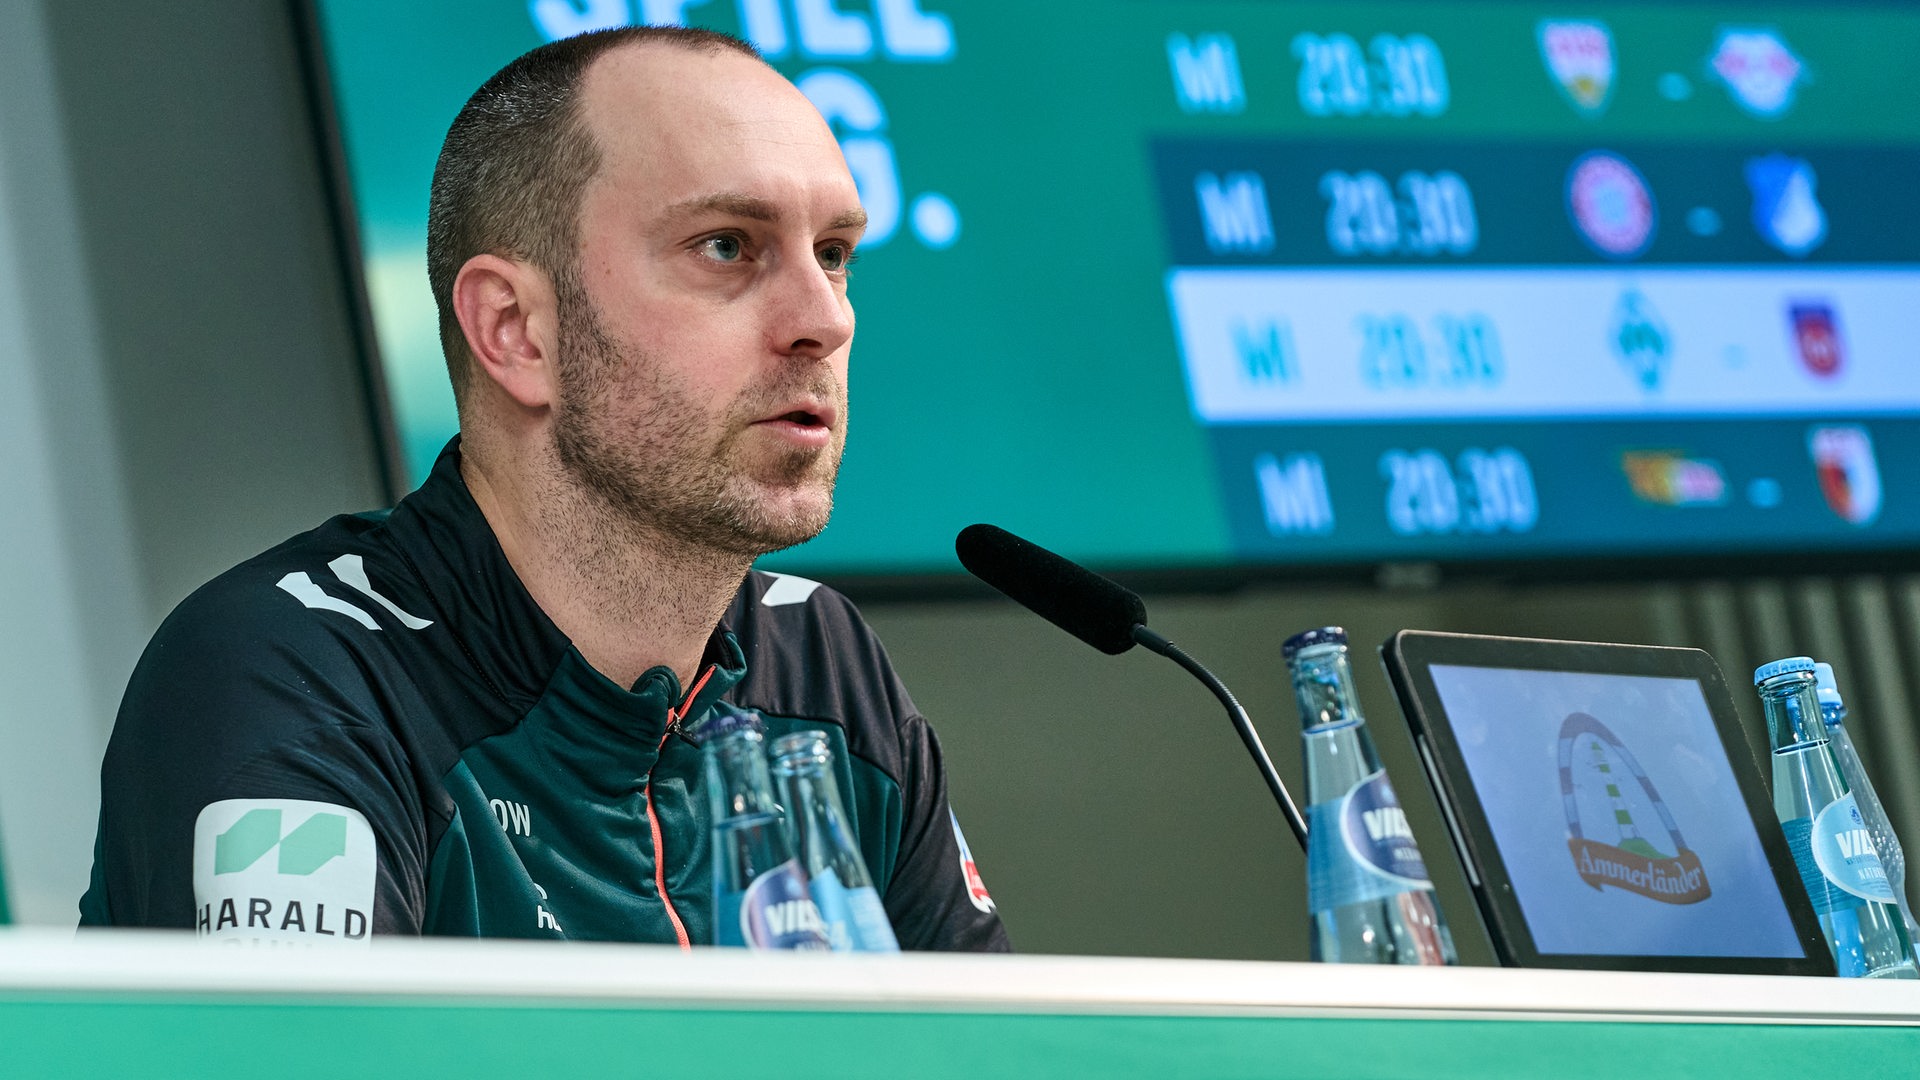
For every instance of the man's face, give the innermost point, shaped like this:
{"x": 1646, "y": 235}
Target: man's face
{"x": 704, "y": 334}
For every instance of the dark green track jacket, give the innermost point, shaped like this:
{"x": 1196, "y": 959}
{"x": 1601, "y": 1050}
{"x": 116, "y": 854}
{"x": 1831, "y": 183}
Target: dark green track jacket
{"x": 372, "y": 728}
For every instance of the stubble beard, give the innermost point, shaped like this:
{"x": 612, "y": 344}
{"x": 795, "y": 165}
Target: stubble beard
{"x": 667, "y": 475}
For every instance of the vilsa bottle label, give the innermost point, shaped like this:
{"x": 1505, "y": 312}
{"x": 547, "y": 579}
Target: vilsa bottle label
{"x": 1360, "y": 848}
{"x": 1844, "y": 851}
{"x": 774, "y": 912}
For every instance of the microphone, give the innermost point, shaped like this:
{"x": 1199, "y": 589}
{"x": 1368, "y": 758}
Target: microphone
{"x": 1066, "y": 594}
{"x": 1107, "y": 616}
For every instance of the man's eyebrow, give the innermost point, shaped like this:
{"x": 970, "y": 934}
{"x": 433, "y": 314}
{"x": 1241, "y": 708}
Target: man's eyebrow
{"x": 753, "y": 208}
{"x": 746, "y": 206}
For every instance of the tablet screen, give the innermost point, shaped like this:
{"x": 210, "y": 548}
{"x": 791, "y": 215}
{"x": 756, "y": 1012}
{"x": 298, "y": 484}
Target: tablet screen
{"x": 1616, "y": 813}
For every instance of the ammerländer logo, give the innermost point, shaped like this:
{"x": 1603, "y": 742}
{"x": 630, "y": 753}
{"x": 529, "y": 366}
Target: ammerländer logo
{"x": 283, "y": 870}
{"x": 1599, "y": 773}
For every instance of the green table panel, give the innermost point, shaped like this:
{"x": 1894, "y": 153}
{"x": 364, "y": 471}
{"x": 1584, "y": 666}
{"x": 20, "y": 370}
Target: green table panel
{"x": 86, "y": 1036}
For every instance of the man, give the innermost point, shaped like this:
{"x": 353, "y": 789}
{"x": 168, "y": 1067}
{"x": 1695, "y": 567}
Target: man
{"x": 479, "y": 714}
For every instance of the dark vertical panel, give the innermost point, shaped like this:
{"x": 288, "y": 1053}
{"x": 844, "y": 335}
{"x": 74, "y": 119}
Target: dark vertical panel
{"x": 235, "y": 391}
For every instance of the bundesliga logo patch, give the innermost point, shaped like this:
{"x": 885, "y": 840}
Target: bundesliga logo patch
{"x": 283, "y": 871}
{"x": 976, "y": 887}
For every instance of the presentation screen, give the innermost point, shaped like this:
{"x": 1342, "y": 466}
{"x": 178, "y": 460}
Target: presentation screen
{"x": 1258, "y": 287}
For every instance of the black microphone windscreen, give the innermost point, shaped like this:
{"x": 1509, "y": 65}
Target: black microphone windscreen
{"x": 1066, "y": 594}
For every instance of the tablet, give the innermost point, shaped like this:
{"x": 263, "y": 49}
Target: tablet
{"x": 1605, "y": 804}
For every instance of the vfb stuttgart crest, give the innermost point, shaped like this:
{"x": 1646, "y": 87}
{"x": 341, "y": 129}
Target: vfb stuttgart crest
{"x": 1579, "y": 56}
{"x": 1816, "y": 337}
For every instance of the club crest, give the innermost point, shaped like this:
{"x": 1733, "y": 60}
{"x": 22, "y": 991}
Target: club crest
{"x": 1579, "y": 56}
{"x": 1786, "y": 211}
{"x": 1816, "y": 338}
{"x": 1849, "y": 476}
{"x": 1641, "y": 340}
{"x": 1611, "y": 205}
{"x": 1760, "y": 71}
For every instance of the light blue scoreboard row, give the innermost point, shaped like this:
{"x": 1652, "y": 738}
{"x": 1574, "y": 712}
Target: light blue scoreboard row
{"x": 1199, "y": 285}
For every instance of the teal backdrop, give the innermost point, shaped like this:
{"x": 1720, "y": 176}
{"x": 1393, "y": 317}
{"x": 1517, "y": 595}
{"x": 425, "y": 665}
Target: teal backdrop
{"x": 1018, "y": 360}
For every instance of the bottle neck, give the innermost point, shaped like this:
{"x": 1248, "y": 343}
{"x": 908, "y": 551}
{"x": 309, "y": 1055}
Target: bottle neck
{"x": 742, "y": 786}
{"x": 1792, "y": 705}
{"x": 1323, "y": 685}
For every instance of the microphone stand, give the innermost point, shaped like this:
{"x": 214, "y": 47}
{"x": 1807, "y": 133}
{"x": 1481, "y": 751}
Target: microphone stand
{"x": 1241, "y": 723}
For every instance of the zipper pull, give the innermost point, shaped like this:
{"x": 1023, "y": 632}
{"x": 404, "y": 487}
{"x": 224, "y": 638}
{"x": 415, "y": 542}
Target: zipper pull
{"x": 677, "y": 715}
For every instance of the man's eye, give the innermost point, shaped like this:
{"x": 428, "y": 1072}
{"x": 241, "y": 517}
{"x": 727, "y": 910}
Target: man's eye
{"x": 837, "y": 257}
{"x": 722, "y": 248}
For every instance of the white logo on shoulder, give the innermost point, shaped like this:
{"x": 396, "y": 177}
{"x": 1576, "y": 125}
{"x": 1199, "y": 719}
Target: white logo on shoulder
{"x": 283, "y": 870}
{"x": 352, "y": 571}
{"x": 787, "y": 589}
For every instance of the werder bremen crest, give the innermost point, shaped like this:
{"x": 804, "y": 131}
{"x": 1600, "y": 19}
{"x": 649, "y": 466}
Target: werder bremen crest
{"x": 1640, "y": 340}
{"x": 1579, "y": 56}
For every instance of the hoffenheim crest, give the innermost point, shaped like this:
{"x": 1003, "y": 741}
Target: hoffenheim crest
{"x": 1849, "y": 476}
{"x": 1758, "y": 68}
{"x": 1785, "y": 211}
{"x": 1579, "y": 56}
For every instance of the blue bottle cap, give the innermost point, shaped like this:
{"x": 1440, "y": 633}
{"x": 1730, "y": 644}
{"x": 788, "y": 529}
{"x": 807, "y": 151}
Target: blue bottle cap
{"x": 1325, "y": 635}
{"x": 1829, "y": 689}
{"x": 726, "y": 720}
{"x": 1781, "y": 667}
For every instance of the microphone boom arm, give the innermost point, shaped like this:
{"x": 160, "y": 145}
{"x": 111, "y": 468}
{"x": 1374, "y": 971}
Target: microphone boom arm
{"x": 1242, "y": 723}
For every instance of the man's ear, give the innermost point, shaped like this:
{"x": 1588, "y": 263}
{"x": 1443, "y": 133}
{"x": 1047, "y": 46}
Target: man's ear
{"x": 509, "y": 315}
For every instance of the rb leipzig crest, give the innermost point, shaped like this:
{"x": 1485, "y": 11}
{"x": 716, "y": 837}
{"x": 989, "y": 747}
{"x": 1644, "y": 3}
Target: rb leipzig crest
{"x": 1849, "y": 475}
{"x": 1760, "y": 71}
{"x": 1579, "y": 56}
{"x": 1816, "y": 338}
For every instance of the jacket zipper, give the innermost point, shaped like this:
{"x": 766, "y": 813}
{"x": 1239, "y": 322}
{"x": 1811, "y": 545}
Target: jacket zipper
{"x": 674, "y": 716}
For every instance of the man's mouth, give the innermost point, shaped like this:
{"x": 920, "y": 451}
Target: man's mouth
{"x": 808, "y": 423}
{"x": 808, "y": 412}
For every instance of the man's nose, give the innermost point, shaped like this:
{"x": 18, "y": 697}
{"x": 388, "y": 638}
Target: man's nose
{"x": 811, "y": 316}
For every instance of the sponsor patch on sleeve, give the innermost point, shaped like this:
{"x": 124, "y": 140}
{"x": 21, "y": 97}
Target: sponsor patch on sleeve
{"x": 283, "y": 870}
{"x": 976, "y": 888}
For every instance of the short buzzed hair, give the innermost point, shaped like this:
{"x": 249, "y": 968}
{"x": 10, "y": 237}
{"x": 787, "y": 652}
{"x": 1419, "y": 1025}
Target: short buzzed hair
{"x": 514, "y": 165}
